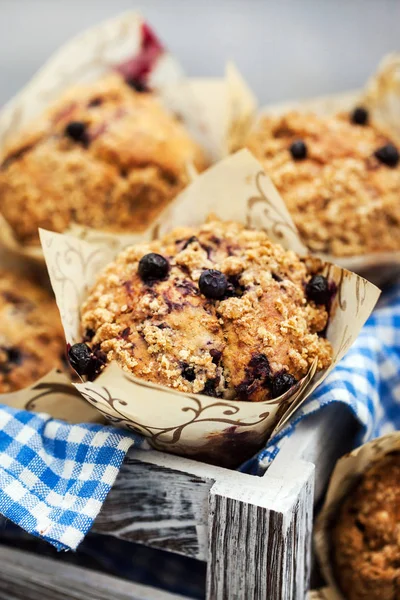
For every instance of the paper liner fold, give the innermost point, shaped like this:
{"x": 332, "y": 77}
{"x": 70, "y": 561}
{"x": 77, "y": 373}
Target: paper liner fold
{"x": 53, "y": 394}
{"x": 216, "y": 112}
{"x": 345, "y": 476}
{"x": 213, "y": 429}
{"x": 381, "y": 96}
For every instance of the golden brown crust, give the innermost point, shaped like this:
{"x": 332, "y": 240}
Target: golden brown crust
{"x": 133, "y": 162}
{"x": 31, "y": 337}
{"x": 232, "y": 346}
{"x": 367, "y": 535}
{"x": 342, "y": 199}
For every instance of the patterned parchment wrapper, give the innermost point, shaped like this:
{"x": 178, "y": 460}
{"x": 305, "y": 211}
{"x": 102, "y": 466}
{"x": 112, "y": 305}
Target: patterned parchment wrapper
{"x": 53, "y": 394}
{"x": 381, "y": 96}
{"x": 217, "y": 112}
{"x": 217, "y": 430}
{"x": 346, "y": 474}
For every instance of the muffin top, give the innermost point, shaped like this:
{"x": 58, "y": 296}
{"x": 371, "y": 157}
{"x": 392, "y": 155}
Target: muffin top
{"x": 339, "y": 177}
{"x": 31, "y": 336}
{"x": 367, "y": 535}
{"x": 218, "y": 310}
{"x": 104, "y": 155}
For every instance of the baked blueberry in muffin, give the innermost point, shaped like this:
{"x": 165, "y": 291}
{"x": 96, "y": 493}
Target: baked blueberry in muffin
{"x": 339, "y": 177}
{"x": 218, "y": 310}
{"x": 31, "y": 336}
{"x": 104, "y": 155}
{"x": 366, "y": 537}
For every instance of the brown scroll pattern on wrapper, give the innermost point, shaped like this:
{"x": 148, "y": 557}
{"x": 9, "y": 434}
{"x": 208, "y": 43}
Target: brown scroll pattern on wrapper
{"x": 220, "y": 431}
{"x": 53, "y": 394}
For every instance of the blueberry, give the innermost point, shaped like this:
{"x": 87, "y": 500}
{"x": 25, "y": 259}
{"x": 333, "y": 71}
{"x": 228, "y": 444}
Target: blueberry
{"x": 209, "y": 388}
{"x": 388, "y": 155}
{"x": 258, "y": 367}
{"x": 153, "y": 266}
{"x": 317, "y": 289}
{"x": 188, "y": 372}
{"x": 14, "y": 355}
{"x": 95, "y": 102}
{"x": 137, "y": 85}
{"x": 298, "y": 150}
{"x": 216, "y": 355}
{"x": 359, "y": 116}
{"x": 281, "y": 383}
{"x": 213, "y": 284}
{"x": 80, "y": 358}
{"x": 76, "y": 130}
{"x": 89, "y": 335}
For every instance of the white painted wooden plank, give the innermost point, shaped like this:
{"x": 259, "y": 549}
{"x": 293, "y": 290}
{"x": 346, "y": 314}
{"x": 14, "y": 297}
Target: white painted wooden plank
{"x": 156, "y": 504}
{"x": 24, "y": 575}
{"x": 259, "y": 542}
{"x": 161, "y": 500}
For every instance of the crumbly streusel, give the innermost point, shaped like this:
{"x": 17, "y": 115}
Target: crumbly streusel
{"x": 168, "y": 332}
{"x": 367, "y": 535}
{"x": 130, "y": 162}
{"x": 31, "y": 336}
{"x": 342, "y": 199}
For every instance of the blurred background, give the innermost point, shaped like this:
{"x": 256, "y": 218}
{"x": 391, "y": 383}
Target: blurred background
{"x": 285, "y": 49}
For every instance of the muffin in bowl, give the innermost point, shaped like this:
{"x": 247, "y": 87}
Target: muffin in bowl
{"x": 366, "y": 536}
{"x": 339, "y": 177}
{"x": 217, "y": 310}
{"x": 31, "y": 336}
{"x": 104, "y": 155}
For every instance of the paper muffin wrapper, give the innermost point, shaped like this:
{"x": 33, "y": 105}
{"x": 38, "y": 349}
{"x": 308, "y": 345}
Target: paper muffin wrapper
{"x": 53, "y": 394}
{"x": 223, "y": 431}
{"x": 381, "y": 96}
{"x": 216, "y": 112}
{"x": 345, "y": 476}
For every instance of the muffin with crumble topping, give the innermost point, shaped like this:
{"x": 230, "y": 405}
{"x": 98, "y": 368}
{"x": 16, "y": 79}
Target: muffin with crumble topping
{"x": 339, "y": 177}
{"x": 217, "y": 310}
{"x": 31, "y": 336}
{"x": 105, "y": 155}
{"x": 366, "y": 536}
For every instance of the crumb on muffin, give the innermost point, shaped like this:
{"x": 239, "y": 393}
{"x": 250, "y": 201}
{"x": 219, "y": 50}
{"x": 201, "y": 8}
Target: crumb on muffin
{"x": 218, "y": 310}
{"x": 339, "y": 177}
{"x": 366, "y": 536}
{"x": 31, "y": 336}
{"x": 104, "y": 156}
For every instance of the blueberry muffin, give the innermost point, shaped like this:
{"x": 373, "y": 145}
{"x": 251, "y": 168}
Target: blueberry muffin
{"x": 340, "y": 179}
{"x": 105, "y": 156}
{"x": 219, "y": 310}
{"x": 31, "y": 336}
{"x": 367, "y": 535}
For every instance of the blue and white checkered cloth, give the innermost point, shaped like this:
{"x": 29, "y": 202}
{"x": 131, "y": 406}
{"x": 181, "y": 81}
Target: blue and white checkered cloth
{"x": 54, "y": 477}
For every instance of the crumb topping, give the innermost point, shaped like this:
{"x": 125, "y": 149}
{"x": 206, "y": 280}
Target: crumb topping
{"x": 169, "y": 332}
{"x": 343, "y": 199}
{"x": 103, "y": 155}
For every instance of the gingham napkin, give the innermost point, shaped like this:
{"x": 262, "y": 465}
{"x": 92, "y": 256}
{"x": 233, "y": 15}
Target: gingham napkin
{"x": 54, "y": 477}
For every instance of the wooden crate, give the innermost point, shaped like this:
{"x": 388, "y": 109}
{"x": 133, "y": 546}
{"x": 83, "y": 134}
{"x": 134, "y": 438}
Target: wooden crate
{"x": 254, "y": 533}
